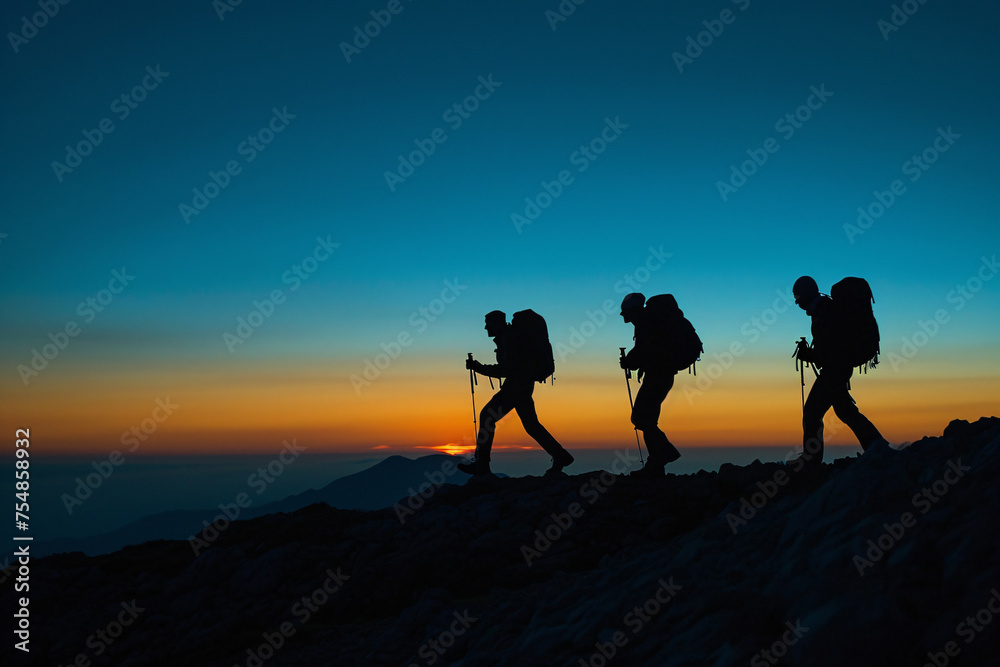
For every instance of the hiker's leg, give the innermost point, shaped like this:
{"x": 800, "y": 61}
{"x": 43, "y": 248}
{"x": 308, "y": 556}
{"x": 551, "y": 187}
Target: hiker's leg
{"x": 819, "y": 401}
{"x": 847, "y": 411}
{"x": 646, "y": 415}
{"x": 492, "y": 412}
{"x": 524, "y": 404}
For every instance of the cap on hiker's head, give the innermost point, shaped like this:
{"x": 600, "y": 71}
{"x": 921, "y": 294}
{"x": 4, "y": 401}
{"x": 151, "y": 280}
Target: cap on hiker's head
{"x": 805, "y": 288}
{"x": 633, "y": 301}
{"x": 496, "y": 317}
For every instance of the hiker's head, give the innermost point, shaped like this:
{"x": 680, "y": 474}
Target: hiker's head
{"x": 631, "y": 306}
{"x": 496, "y": 320}
{"x": 805, "y": 291}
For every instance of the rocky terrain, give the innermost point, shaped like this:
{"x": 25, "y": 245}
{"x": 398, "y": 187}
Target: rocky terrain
{"x": 891, "y": 558}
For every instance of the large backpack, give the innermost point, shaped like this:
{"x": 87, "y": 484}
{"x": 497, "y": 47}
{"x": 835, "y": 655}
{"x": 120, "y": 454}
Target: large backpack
{"x": 857, "y": 330}
{"x": 676, "y": 335}
{"x": 532, "y": 347}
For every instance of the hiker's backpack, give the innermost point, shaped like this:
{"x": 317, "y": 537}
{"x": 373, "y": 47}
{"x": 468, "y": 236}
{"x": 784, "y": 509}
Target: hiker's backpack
{"x": 674, "y": 333}
{"x": 857, "y": 330}
{"x": 533, "y": 349}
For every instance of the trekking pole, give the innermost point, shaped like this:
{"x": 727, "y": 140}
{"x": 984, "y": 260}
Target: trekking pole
{"x": 802, "y": 377}
{"x": 801, "y": 366}
{"x": 472, "y": 385}
{"x": 628, "y": 383}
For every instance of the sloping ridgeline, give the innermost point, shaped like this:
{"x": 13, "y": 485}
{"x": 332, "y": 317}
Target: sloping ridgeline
{"x": 892, "y": 558}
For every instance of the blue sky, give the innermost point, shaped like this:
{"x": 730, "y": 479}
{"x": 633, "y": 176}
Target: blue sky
{"x": 323, "y": 176}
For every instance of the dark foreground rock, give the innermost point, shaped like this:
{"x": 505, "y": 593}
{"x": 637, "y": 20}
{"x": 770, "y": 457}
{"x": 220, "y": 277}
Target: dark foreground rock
{"x": 892, "y": 558}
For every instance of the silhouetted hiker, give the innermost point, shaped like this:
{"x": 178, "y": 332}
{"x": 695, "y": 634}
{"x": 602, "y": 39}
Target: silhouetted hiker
{"x": 834, "y": 352}
{"x": 665, "y": 342}
{"x": 521, "y": 360}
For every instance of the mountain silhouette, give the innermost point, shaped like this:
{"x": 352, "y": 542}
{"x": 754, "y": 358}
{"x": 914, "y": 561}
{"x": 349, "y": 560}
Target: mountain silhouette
{"x": 380, "y": 486}
{"x": 388, "y": 481}
{"x": 877, "y": 559}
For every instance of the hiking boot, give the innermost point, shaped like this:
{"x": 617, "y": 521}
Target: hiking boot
{"x": 475, "y": 468}
{"x": 558, "y": 463}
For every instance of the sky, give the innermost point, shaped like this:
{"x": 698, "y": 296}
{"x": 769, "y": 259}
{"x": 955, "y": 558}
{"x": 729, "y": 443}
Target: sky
{"x": 225, "y": 227}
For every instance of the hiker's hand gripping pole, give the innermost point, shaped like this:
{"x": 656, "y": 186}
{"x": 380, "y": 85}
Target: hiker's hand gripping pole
{"x": 628, "y": 377}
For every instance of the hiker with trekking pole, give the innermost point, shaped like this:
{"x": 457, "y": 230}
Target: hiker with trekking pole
{"x": 631, "y": 404}
{"x": 845, "y": 336}
{"x": 665, "y": 342}
{"x": 524, "y": 356}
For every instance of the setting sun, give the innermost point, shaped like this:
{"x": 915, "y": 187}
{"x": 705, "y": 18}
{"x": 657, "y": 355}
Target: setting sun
{"x": 454, "y": 449}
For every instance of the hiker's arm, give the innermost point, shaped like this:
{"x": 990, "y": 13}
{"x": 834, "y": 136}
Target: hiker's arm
{"x": 632, "y": 359}
{"x": 489, "y": 370}
{"x": 643, "y": 352}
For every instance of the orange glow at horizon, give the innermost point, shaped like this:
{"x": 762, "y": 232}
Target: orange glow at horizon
{"x": 254, "y": 407}
{"x": 453, "y": 449}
